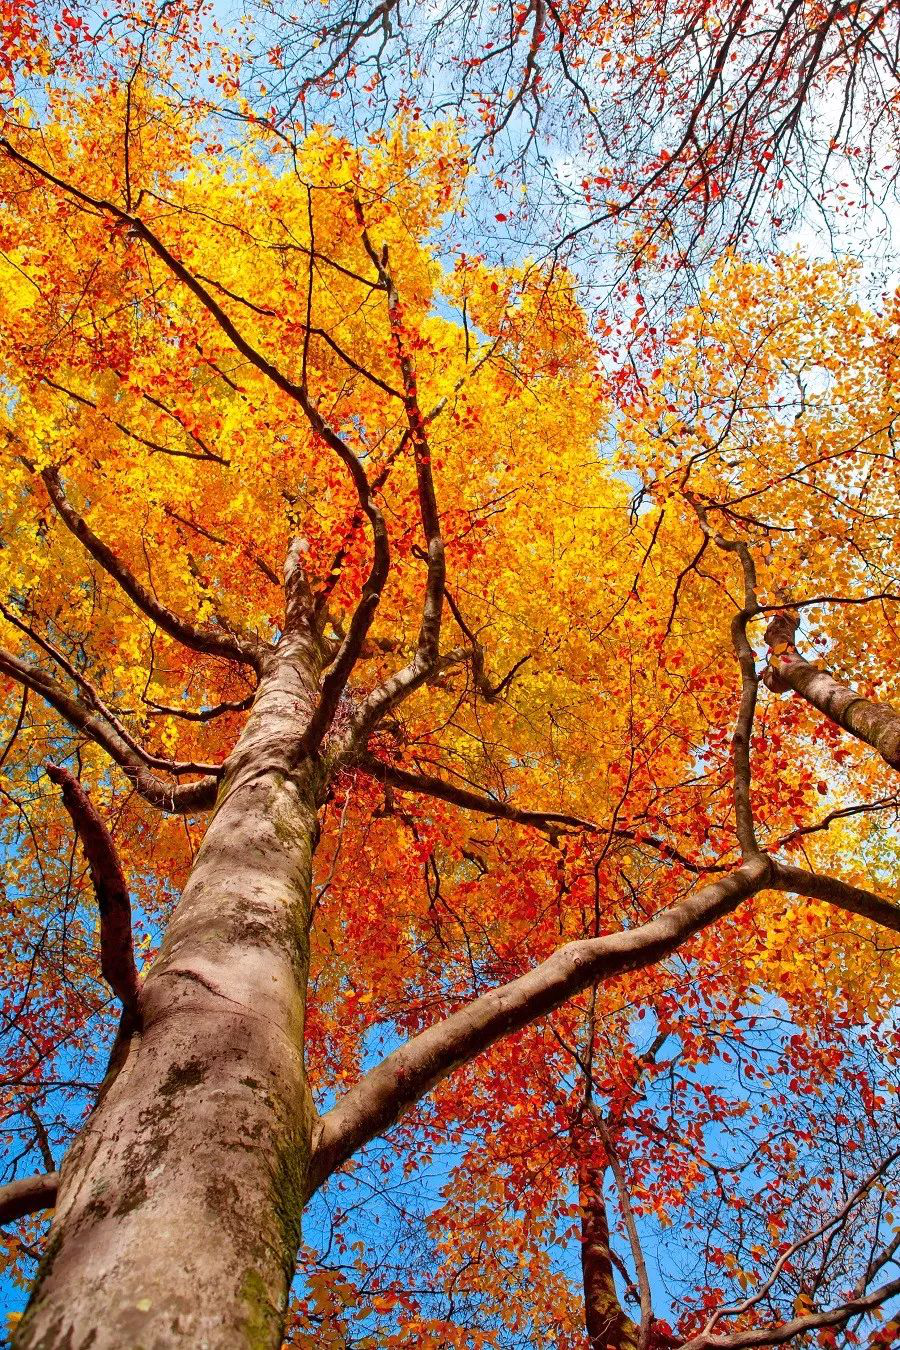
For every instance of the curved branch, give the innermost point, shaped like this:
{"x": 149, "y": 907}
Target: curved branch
{"x": 878, "y": 724}
{"x": 783, "y": 1332}
{"x": 175, "y": 767}
{"x": 28, "y": 1196}
{"x": 385, "y": 1093}
{"x": 180, "y": 798}
{"x": 110, "y": 888}
{"x": 431, "y": 786}
{"x": 853, "y": 899}
{"x": 207, "y": 640}
{"x": 200, "y": 714}
{"x": 552, "y": 822}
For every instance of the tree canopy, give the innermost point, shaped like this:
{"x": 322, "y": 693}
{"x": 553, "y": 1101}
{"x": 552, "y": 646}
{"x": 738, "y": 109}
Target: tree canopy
{"x": 448, "y": 628}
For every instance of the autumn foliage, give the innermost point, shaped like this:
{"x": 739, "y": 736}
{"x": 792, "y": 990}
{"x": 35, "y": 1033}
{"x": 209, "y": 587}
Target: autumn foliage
{"x": 449, "y": 742}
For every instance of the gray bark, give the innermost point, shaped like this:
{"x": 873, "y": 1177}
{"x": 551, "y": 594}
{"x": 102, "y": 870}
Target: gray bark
{"x": 178, "y": 1215}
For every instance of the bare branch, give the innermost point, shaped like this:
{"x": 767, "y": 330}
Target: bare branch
{"x": 16, "y": 729}
{"x": 753, "y": 1299}
{"x": 28, "y": 1196}
{"x": 110, "y": 888}
{"x": 200, "y": 714}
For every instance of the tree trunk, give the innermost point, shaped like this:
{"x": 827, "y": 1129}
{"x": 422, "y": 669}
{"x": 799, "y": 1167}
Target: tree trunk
{"x": 608, "y": 1327}
{"x": 178, "y": 1218}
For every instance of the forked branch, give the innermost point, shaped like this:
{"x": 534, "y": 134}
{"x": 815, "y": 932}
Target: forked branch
{"x": 406, "y": 1075}
{"x": 176, "y": 798}
{"x": 782, "y": 1332}
{"x": 489, "y": 692}
{"x": 427, "y": 654}
{"x": 752, "y": 1300}
{"x": 550, "y": 822}
{"x": 335, "y": 681}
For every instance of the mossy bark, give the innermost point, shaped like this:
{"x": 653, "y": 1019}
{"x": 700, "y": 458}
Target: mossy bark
{"x": 178, "y": 1218}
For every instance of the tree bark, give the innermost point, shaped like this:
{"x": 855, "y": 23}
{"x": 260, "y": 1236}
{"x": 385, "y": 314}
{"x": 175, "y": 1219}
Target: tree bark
{"x": 29, "y": 1195}
{"x": 878, "y": 724}
{"x": 607, "y": 1326}
{"x": 178, "y": 1216}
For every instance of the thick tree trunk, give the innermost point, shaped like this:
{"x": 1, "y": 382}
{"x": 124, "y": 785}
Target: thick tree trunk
{"x": 608, "y": 1327}
{"x": 178, "y": 1218}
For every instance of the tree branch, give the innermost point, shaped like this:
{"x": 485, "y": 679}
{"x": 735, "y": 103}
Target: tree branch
{"x": 403, "y": 682}
{"x": 379, "y": 1099}
{"x": 634, "y": 1241}
{"x": 605, "y": 1321}
{"x": 299, "y": 601}
{"x": 172, "y": 766}
{"x": 877, "y": 724}
{"x": 335, "y": 681}
{"x": 551, "y": 822}
{"x": 746, "y": 658}
{"x": 228, "y": 645}
{"x": 28, "y": 1196}
{"x": 180, "y": 798}
{"x": 782, "y": 1332}
{"x": 489, "y": 692}
{"x": 200, "y": 714}
{"x": 735, "y": 1310}
{"x": 397, "y": 1083}
{"x": 815, "y": 886}
{"x": 111, "y": 890}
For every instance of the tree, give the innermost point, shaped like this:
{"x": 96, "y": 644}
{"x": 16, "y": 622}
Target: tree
{"x": 256, "y": 469}
{"x": 664, "y": 131}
